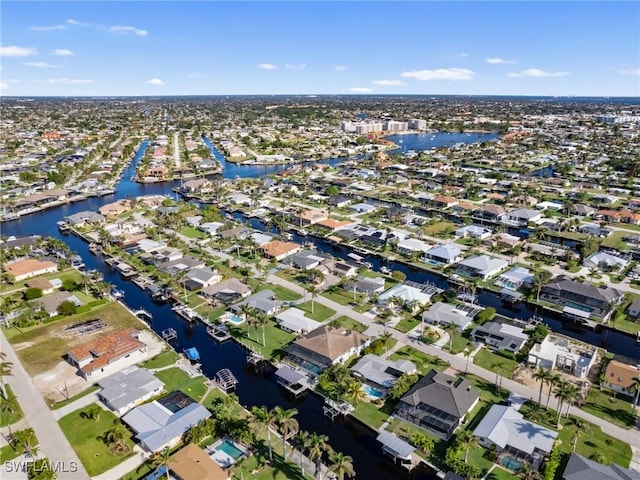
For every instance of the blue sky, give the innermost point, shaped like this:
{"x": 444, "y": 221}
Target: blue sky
{"x": 332, "y": 47}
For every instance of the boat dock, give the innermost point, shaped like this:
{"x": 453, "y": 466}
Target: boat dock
{"x": 293, "y": 380}
{"x": 186, "y": 313}
{"x": 333, "y": 409}
{"x": 169, "y": 334}
{"x": 219, "y": 333}
{"x": 226, "y": 380}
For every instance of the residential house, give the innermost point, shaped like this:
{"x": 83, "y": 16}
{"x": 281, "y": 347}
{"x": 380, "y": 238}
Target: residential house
{"x": 481, "y": 266}
{"x": 41, "y": 283}
{"x": 345, "y": 269}
{"x": 583, "y": 210}
{"x": 310, "y": 217}
{"x": 633, "y": 310}
{"x": 473, "y": 231}
{"x": 340, "y": 201}
{"x": 447, "y": 253}
{"x": 294, "y": 320}
{"x": 505, "y": 429}
{"x": 197, "y": 278}
{"x": 446, "y": 314}
{"x": 442, "y": 202}
{"x": 362, "y": 208}
{"x": 410, "y": 246}
{"x": 108, "y": 353}
{"x": 515, "y": 278}
{"x": 158, "y": 172}
{"x": 307, "y": 259}
{"x": 605, "y": 261}
{"x": 162, "y": 423}
{"x": 211, "y": 228}
{"x": 326, "y": 346}
{"x": 332, "y": 224}
{"x": 500, "y": 336}
{"x": 197, "y": 185}
{"x": 29, "y": 267}
{"x": 409, "y": 294}
{"x": 582, "y": 468}
{"x": 564, "y": 354}
{"x": 279, "y": 250}
{"x": 581, "y": 299}
{"x": 227, "y": 292}
{"x": 264, "y": 301}
{"x": 366, "y": 285}
{"x": 438, "y": 403}
{"x": 82, "y": 218}
{"x": 111, "y": 210}
{"x": 128, "y": 388}
{"x": 193, "y": 463}
{"x": 50, "y": 303}
{"x": 490, "y": 212}
{"x": 619, "y": 376}
{"x": 381, "y": 372}
{"x": 522, "y": 216}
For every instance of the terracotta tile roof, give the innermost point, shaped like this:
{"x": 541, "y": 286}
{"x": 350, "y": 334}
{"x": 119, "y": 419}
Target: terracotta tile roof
{"x": 41, "y": 283}
{"x": 193, "y": 463}
{"x": 445, "y": 199}
{"x": 28, "y": 265}
{"x": 277, "y": 248}
{"x": 107, "y": 348}
{"x": 334, "y": 224}
{"x": 621, "y": 374}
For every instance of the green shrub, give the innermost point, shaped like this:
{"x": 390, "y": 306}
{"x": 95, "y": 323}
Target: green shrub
{"x": 506, "y": 354}
{"x": 32, "y": 293}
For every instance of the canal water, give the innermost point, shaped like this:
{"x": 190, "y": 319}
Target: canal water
{"x": 349, "y": 436}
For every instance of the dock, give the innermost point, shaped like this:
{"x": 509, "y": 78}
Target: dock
{"x": 142, "y": 314}
{"x": 186, "y": 313}
{"x": 219, "y": 333}
{"x": 169, "y": 334}
{"x": 226, "y": 380}
{"x": 256, "y": 360}
{"x": 294, "y": 381}
{"x": 333, "y": 409}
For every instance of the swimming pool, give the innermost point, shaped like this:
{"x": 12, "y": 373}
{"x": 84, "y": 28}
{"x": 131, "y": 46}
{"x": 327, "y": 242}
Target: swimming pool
{"x": 578, "y": 307}
{"x": 511, "y": 463}
{"x": 225, "y": 452}
{"x": 232, "y": 318}
{"x": 372, "y": 392}
{"x": 312, "y": 367}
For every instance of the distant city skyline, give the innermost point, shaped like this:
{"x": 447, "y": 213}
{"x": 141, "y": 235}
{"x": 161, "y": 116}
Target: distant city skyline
{"x": 262, "y": 48}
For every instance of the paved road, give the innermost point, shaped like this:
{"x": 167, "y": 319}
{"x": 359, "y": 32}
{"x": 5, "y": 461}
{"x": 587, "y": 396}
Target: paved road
{"x": 53, "y": 444}
{"x": 176, "y": 149}
{"x": 459, "y": 363}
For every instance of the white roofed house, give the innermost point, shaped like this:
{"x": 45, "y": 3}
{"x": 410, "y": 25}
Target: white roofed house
{"x": 473, "y": 231}
{"x": 130, "y": 387}
{"x": 447, "y": 253}
{"x": 295, "y": 321}
{"x": 500, "y": 336}
{"x": 522, "y": 216}
{"x": 446, "y": 314}
{"x": 564, "y": 354}
{"x": 380, "y": 371}
{"x": 410, "y": 246}
{"x": 412, "y": 295}
{"x": 606, "y": 262}
{"x": 481, "y": 266}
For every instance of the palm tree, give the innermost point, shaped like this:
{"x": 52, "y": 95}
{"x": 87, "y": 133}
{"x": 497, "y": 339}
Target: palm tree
{"x": 239, "y": 464}
{"x": 9, "y": 405}
{"x": 6, "y": 369}
{"x": 318, "y": 445}
{"x": 93, "y": 412}
{"x": 261, "y": 321}
{"x": 354, "y": 392}
{"x": 593, "y": 273}
{"x": 467, "y": 440}
{"x": 341, "y": 465}
{"x": 262, "y": 420}
{"x": 24, "y": 438}
{"x": 467, "y": 355}
{"x": 564, "y": 392}
{"x": 540, "y": 279}
{"x": 542, "y": 375}
{"x": 160, "y": 459}
{"x": 452, "y": 329}
{"x": 581, "y": 427}
{"x": 116, "y": 435}
{"x": 287, "y": 425}
{"x": 313, "y": 290}
{"x": 301, "y": 442}
{"x": 635, "y": 386}
{"x": 553, "y": 380}
{"x": 247, "y": 312}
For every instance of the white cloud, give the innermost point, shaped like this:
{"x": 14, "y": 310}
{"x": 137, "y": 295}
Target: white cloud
{"x": 440, "y": 74}
{"x": 340, "y": 68}
{"x": 499, "y": 61}
{"x": 299, "y": 66}
{"x": 630, "y": 71}
{"x": 155, "y": 81}
{"x": 68, "y": 80}
{"x": 14, "y": 51}
{"x": 267, "y": 66}
{"x": 360, "y": 90}
{"x": 71, "y": 21}
{"x": 537, "y": 73}
{"x": 63, "y": 52}
{"x": 40, "y": 65}
{"x": 125, "y": 30}
{"x": 388, "y": 83}
{"x": 48, "y": 28}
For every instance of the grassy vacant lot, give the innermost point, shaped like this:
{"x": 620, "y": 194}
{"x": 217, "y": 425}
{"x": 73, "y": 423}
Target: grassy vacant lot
{"x": 176, "y": 379}
{"x": 494, "y": 362}
{"x": 438, "y": 228}
{"x": 320, "y": 312}
{"x": 460, "y": 342}
{"x": 343, "y": 297}
{"x": 350, "y": 323}
{"x": 164, "y": 359}
{"x": 276, "y": 338}
{"x": 615, "y": 410}
{"x": 47, "y": 343}
{"x": 424, "y": 362}
{"x": 6, "y": 417}
{"x": 83, "y": 435}
{"x": 89, "y": 390}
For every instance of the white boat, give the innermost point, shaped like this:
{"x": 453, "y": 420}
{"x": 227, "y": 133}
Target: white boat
{"x": 115, "y": 293}
{"x": 385, "y": 270}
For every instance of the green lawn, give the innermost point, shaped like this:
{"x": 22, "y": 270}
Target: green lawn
{"x": 495, "y": 363}
{"x": 91, "y": 389}
{"x": 9, "y": 452}
{"x": 320, "y": 313}
{"x": 176, "y": 379}
{"x": 460, "y": 342}
{"x": 281, "y": 293}
{"x": 615, "y": 410}
{"x": 406, "y": 324}
{"x": 164, "y": 359}
{"x": 371, "y": 414}
{"x": 626, "y": 324}
{"x": 500, "y": 474}
{"x": 276, "y": 338}
{"x": 343, "y": 297}
{"x": 7, "y": 418}
{"x": 349, "y": 323}
{"x": 615, "y": 240}
{"x": 83, "y": 435}
{"x": 438, "y": 228}
{"x": 191, "y": 232}
{"x": 423, "y": 361}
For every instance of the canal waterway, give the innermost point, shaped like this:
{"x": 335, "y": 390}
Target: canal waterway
{"x": 349, "y": 437}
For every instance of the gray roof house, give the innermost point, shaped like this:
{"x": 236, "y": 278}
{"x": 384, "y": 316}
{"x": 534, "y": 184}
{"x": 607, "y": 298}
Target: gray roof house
{"x": 445, "y": 314}
{"x": 481, "y": 266}
{"x": 50, "y": 303}
{"x": 307, "y": 259}
{"x": 605, "y": 261}
{"x": 124, "y": 390}
{"x": 264, "y": 301}
{"x": 522, "y": 216}
{"x": 438, "y": 403}
{"x": 80, "y": 218}
{"x": 447, "y": 253}
{"x": 366, "y": 285}
{"x": 227, "y": 291}
{"x": 161, "y": 424}
{"x": 383, "y": 372}
{"x": 500, "y": 336}
{"x": 505, "y": 427}
{"x": 581, "y": 468}
{"x": 201, "y": 277}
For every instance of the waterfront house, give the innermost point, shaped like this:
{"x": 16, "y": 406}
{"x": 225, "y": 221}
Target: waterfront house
{"x": 411, "y": 295}
{"x": 345, "y": 269}
{"x": 473, "y": 231}
{"x": 410, "y": 246}
{"x": 481, "y": 266}
{"x": 111, "y": 210}
{"x": 564, "y": 354}
{"x": 50, "y": 303}
{"x": 210, "y": 228}
{"x": 197, "y": 185}
{"x": 583, "y": 210}
{"x": 331, "y": 224}
{"x": 380, "y": 371}
{"x": 438, "y": 403}
{"x": 158, "y": 172}
{"x": 108, "y": 353}
{"x": 619, "y": 376}
{"x": 582, "y": 468}
{"x": 514, "y": 278}
{"x": 506, "y": 430}
{"x": 605, "y": 262}
{"x": 362, "y": 208}
{"x": 490, "y": 212}
{"x": 500, "y": 336}
{"x": 307, "y": 259}
{"x": 29, "y": 267}
{"x": 326, "y": 346}
{"x": 128, "y": 388}
{"x": 278, "y": 250}
{"x": 197, "y": 278}
{"x": 447, "y": 253}
{"x": 310, "y": 217}
{"x": 522, "y": 216}
{"x": 226, "y": 291}
{"x": 340, "y": 201}
{"x": 366, "y": 285}
{"x": 80, "y": 219}
{"x": 576, "y": 297}
{"x": 193, "y": 463}
{"x": 162, "y": 423}
{"x": 442, "y": 202}
{"x": 294, "y": 320}
{"x": 264, "y": 301}
{"x": 633, "y": 310}
{"x": 446, "y": 314}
